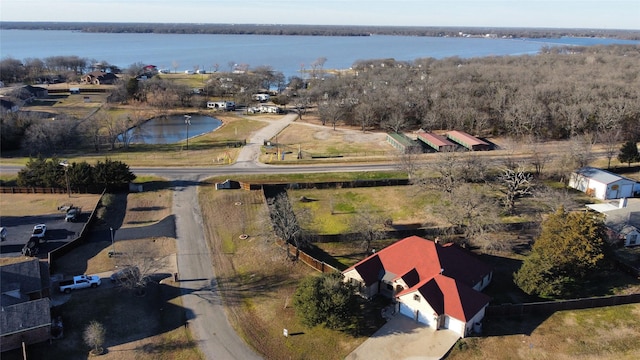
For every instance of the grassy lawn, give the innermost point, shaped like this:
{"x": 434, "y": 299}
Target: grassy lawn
{"x": 335, "y": 210}
{"x": 258, "y": 282}
{"x": 602, "y": 333}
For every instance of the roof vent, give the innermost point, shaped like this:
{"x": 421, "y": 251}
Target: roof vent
{"x": 441, "y": 271}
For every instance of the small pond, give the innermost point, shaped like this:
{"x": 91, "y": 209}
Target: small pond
{"x": 172, "y": 129}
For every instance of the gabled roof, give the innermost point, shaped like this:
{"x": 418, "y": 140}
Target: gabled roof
{"x": 599, "y": 175}
{"x": 467, "y": 138}
{"x": 435, "y": 139}
{"x": 24, "y": 276}
{"x": 426, "y": 258}
{"x": 443, "y": 274}
{"x": 27, "y": 315}
{"x": 448, "y": 296}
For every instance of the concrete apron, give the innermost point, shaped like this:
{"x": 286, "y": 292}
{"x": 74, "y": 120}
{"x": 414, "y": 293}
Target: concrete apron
{"x": 404, "y": 338}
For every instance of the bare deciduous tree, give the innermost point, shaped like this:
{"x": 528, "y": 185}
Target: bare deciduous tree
{"x": 370, "y": 226}
{"x": 516, "y": 184}
{"x": 331, "y": 111}
{"x": 285, "y": 222}
{"x": 470, "y": 211}
{"x": 141, "y": 259}
{"x": 94, "y": 335}
{"x": 409, "y": 161}
{"x": 611, "y": 139}
{"x": 582, "y": 149}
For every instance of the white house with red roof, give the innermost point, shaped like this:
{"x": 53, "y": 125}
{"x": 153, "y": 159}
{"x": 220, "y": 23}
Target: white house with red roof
{"x": 437, "y": 285}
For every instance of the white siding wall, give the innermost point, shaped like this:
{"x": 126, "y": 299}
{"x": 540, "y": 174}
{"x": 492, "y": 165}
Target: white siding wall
{"x": 484, "y": 283}
{"x": 630, "y": 236}
{"x": 600, "y": 190}
{"x": 468, "y": 329}
{"x": 410, "y": 308}
{"x": 457, "y": 325}
{"x": 578, "y": 182}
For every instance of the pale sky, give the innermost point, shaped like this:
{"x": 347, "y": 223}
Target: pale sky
{"x": 598, "y": 14}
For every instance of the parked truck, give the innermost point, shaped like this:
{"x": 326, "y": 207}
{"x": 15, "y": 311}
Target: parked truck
{"x": 79, "y": 282}
{"x": 73, "y": 214}
{"x": 32, "y": 247}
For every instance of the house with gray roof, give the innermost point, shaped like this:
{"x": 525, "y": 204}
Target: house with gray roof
{"x": 25, "y": 314}
{"x": 622, "y": 218}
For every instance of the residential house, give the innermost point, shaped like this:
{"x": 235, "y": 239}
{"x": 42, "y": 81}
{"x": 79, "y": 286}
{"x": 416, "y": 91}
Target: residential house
{"x": 468, "y": 141}
{"x": 602, "y": 184}
{"x": 99, "y": 78}
{"x": 622, "y": 219}
{"x": 437, "y": 285}
{"x": 8, "y": 106}
{"x": 25, "y": 307}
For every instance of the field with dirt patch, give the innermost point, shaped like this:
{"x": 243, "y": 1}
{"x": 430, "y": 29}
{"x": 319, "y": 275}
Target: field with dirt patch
{"x": 317, "y": 140}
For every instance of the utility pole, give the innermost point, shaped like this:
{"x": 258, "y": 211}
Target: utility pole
{"x": 187, "y": 122}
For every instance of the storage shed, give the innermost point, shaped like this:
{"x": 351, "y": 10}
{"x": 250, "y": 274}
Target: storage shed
{"x": 435, "y": 141}
{"x": 403, "y": 143}
{"x": 602, "y": 184}
{"x": 468, "y": 141}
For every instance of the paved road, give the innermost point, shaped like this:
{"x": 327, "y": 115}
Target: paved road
{"x": 205, "y": 312}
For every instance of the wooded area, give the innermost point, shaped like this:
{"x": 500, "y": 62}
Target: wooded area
{"x": 316, "y": 30}
{"x": 561, "y": 93}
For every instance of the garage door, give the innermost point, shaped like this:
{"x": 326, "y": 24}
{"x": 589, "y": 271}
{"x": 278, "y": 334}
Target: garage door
{"x": 406, "y": 311}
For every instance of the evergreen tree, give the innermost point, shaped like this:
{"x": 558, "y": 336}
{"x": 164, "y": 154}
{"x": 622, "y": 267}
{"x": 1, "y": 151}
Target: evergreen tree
{"x": 325, "y": 300}
{"x": 568, "y": 248}
{"x": 629, "y": 153}
{"x": 112, "y": 173}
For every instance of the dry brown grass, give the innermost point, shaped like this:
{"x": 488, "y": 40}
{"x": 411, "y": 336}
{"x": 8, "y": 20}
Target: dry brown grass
{"x": 605, "y": 333}
{"x": 41, "y": 204}
{"x": 257, "y": 282}
{"x": 147, "y": 207}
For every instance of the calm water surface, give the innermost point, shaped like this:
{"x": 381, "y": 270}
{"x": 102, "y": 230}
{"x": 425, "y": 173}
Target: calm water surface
{"x": 172, "y": 129}
{"x": 288, "y": 54}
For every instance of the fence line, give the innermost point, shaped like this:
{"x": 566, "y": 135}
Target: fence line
{"x": 32, "y": 190}
{"x": 547, "y": 307}
{"x": 80, "y": 240}
{"x": 309, "y": 260}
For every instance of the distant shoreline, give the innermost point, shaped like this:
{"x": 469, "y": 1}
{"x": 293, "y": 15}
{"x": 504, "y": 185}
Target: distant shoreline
{"x": 319, "y": 30}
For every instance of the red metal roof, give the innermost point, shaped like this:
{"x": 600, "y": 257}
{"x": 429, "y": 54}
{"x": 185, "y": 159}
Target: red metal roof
{"x": 435, "y": 139}
{"x": 466, "y": 138}
{"x": 443, "y": 274}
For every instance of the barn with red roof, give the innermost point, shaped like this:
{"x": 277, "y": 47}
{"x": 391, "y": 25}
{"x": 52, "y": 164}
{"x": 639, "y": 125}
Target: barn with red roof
{"x": 437, "y": 285}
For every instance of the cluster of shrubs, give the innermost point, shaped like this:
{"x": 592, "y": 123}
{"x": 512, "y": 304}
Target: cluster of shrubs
{"x": 76, "y": 176}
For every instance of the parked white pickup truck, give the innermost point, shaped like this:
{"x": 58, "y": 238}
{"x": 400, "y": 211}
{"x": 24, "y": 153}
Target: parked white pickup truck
{"x": 79, "y": 282}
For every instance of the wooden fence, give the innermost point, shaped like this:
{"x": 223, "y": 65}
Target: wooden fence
{"x": 31, "y": 190}
{"x": 548, "y": 307}
{"x": 306, "y": 258}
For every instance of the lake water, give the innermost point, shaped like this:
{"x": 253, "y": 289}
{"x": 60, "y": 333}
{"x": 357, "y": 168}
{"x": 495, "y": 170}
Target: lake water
{"x": 172, "y": 129}
{"x": 288, "y": 54}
